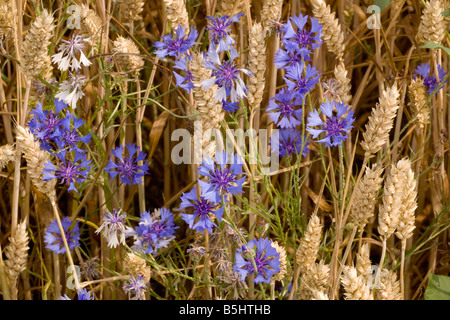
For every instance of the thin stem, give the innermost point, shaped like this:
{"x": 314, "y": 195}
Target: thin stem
{"x": 402, "y": 269}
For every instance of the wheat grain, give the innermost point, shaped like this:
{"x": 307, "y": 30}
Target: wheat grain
{"x": 432, "y": 25}
{"x": 16, "y": 253}
{"x": 135, "y": 265}
{"x": 309, "y": 245}
{"x": 355, "y": 285}
{"x": 343, "y": 91}
{"x": 418, "y": 102}
{"x": 271, "y": 12}
{"x": 388, "y": 287}
{"x": 6, "y": 155}
{"x": 283, "y": 261}
{"x": 314, "y": 280}
{"x": 36, "y": 159}
{"x": 257, "y": 65}
{"x": 131, "y": 10}
{"x": 90, "y": 24}
{"x": 232, "y": 7}
{"x": 363, "y": 262}
{"x": 177, "y": 13}
{"x": 381, "y": 121}
{"x": 332, "y": 32}
{"x": 6, "y": 19}
{"x": 405, "y": 226}
{"x": 127, "y": 55}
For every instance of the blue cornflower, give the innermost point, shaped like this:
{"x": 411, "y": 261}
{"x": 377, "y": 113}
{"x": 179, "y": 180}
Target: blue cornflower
{"x": 83, "y": 294}
{"x": 225, "y": 75}
{"x": 303, "y": 41}
{"x": 335, "y": 127}
{"x": 221, "y": 177}
{"x": 266, "y": 258}
{"x": 178, "y": 45}
{"x": 53, "y": 237}
{"x": 184, "y": 82}
{"x": 282, "y": 109}
{"x": 46, "y": 124}
{"x": 201, "y": 210}
{"x": 155, "y": 231}
{"x": 135, "y": 287}
{"x": 230, "y": 106}
{"x": 219, "y": 28}
{"x": 127, "y": 166}
{"x": 67, "y": 171}
{"x": 69, "y": 134}
{"x": 429, "y": 80}
{"x": 284, "y": 59}
{"x": 288, "y": 141}
{"x": 301, "y": 79}
{"x": 113, "y": 227}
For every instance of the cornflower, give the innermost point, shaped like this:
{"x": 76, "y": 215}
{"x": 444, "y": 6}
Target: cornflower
{"x": 53, "y": 237}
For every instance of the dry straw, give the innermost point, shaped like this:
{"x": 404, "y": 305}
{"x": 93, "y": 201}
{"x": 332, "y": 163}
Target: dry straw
{"x": 257, "y": 65}
{"x": 355, "y": 286}
{"x": 177, "y": 13}
{"x": 34, "y": 58}
{"x": 365, "y": 197}
{"x": 332, "y": 32}
{"x": 432, "y": 25}
{"x": 36, "y": 159}
{"x": 381, "y": 121}
{"x": 7, "y": 154}
{"x": 16, "y": 253}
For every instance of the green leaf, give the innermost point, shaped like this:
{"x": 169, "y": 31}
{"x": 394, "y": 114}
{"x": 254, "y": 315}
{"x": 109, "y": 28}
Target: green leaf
{"x": 446, "y": 13}
{"x": 432, "y": 45}
{"x": 382, "y": 4}
{"x": 438, "y": 288}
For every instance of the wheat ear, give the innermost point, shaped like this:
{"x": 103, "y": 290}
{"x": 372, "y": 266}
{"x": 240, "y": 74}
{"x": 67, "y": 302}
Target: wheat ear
{"x": 388, "y": 288}
{"x": 418, "y": 102}
{"x": 6, "y": 155}
{"x": 232, "y": 7}
{"x": 355, "y": 285}
{"x": 432, "y": 25}
{"x": 177, "y": 13}
{"x": 271, "y": 12}
{"x": 257, "y": 65}
{"x": 127, "y": 55}
{"x": 309, "y": 245}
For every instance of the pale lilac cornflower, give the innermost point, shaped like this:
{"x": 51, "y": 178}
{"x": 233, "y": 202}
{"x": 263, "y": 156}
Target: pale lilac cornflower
{"x": 219, "y": 31}
{"x": 301, "y": 78}
{"x": 71, "y": 90}
{"x": 127, "y": 166}
{"x": 113, "y": 227}
{"x": 265, "y": 257}
{"x": 429, "y": 78}
{"x": 283, "y": 109}
{"x": 155, "y": 231}
{"x": 200, "y": 211}
{"x": 68, "y": 52}
{"x": 177, "y": 45}
{"x": 226, "y": 76}
{"x": 221, "y": 176}
{"x": 335, "y": 127}
{"x": 53, "y": 237}
{"x": 135, "y": 287}
{"x": 68, "y": 172}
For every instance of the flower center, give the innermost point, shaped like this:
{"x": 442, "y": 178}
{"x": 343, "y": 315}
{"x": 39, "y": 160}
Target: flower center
{"x": 303, "y": 38}
{"x": 334, "y": 126}
{"x": 222, "y": 179}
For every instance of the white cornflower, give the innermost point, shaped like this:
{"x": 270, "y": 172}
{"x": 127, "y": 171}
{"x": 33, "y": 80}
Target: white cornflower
{"x": 71, "y": 90}
{"x": 113, "y": 228}
{"x": 67, "y": 54}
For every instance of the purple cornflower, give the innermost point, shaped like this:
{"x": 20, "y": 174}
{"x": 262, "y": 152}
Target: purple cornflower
{"x": 67, "y": 54}
{"x": 288, "y": 141}
{"x": 113, "y": 227}
{"x": 221, "y": 177}
{"x": 266, "y": 260}
{"x": 69, "y": 134}
{"x": 155, "y": 231}
{"x": 335, "y": 127}
{"x": 219, "y": 28}
{"x": 177, "y": 45}
{"x": 230, "y": 106}
{"x": 303, "y": 41}
{"x": 127, "y": 166}
{"x": 67, "y": 171}
{"x": 135, "y": 287}
{"x": 184, "y": 82}
{"x": 201, "y": 209}
{"x": 429, "y": 79}
{"x": 46, "y": 124}
{"x": 282, "y": 109}
{"x": 53, "y": 237}
{"x": 226, "y": 76}
{"x": 301, "y": 79}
